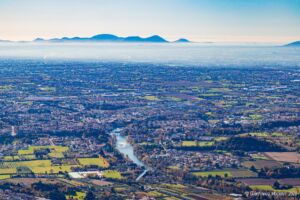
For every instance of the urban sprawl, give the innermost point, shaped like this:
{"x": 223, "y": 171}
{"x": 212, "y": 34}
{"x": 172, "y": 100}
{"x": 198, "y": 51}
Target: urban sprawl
{"x": 93, "y": 130}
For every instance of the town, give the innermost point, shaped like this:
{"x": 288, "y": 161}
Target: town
{"x": 113, "y": 130}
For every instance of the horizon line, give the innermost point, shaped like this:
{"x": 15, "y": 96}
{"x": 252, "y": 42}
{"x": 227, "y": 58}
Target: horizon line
{"x": 224, "y": 41}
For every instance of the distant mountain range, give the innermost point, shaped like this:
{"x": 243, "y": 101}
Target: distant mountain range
{"x": 129, "y": 39}
{"x": 5, "y": 41}
{"x": 293, "y": 44}
{"x": 112, "y": 38}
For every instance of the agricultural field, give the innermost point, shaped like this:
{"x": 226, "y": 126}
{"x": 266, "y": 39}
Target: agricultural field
{"x": 28, "y": 157}
{"x": 35, "y": 166}
{"x": 265, "y": 134}
{"x": 214, "y": 173}
{"x": 199, "y": 144}
{"x": 262, "y": 181}
{"x": 3, "y": 177}
{"x": 32, "y": 163}
{"x": 256, "y": 134}
{"x": 218, "y": 139}
{"x": 239, "y": 173}
{"x": 77, "y": 196}
{"x": 259, "y": 156}
{"x": 113, "y": 174}
{"x": 31, "y": 149}
{"x": 25, "y": 152}
{"x": 52, "y": 169}
{"x": 56, "y": 154}
{"x": 5, "y": 171}
{"x": 258, "y": 164}
{"x": 47, "y": 89}
{"x": 151, "y": 98}
{"x": 178, "y": 191}
{"x": 270, "y": 188}
{"x": 11, "y": 158}
{"x": 219, "y": 90}
{"x": 55, "y": 151}
{"x": 292, "y": 157}
{"x": 257, "y": 181}
{"x": 277, "y": 134}
{"x": 100, "y": 162}
{"x": 5, "y": 87}
{"x": 155, "y": 194}
{"x": 189, "y": 143}
{"x": 175, "y": 99}
{"x": 266, "y": 184}
{"x": 256, "y": 117}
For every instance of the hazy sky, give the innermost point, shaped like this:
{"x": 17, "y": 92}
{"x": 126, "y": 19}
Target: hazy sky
{"x": 198, "y": 20}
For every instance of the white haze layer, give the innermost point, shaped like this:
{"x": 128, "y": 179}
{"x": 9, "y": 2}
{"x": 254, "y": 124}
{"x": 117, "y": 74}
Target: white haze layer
{"x": 171, "y": 53}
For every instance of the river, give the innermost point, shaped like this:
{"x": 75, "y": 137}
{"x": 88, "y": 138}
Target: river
{"x": 124, "y": 147}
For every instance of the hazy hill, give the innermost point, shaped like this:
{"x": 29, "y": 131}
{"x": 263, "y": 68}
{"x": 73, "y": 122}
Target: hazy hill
{"x": 293, "y": 44}
{"x": 111, "y": 38}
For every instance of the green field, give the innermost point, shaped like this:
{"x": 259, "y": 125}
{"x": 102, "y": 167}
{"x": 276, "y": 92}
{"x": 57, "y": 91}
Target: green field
{"x": 200, "y": 143}
{"x": 189, "y": 143}
{"x": 52, "y": 169}
{"x": 3, "y": 177}
{"x": 29, "y": 157}
{"x": 11, "y": 158}
{"x": 176, "y": 99}
{"x": 277, "y": 134}
{"x": 32, "y": 163}
{"x": 55, "y": 151}
{"x": 151, "y": 98}
{"x": 258, "y": 156}
{"x": 100, "y": 162}
{"x": 56, "y": 154}
{"x": 77, "y": 196}
{"x": 113, "y": 174}
{"x": 11, "y": 167}
{"x": 213, "y": 173}
{"x": 218, "y": 139}
{"x": 47, "y": 89}
{"x": 8, "y": 171}
{"x": 35, "y": 166}
{"x": 270, "y": 188}
{"x": 255, "y": 117}
{"x": 5, "y": 87}
{"x": 217, "y": 90}
{"x": 20, "y": 157}
{"x": 25, "y": 152}
{"x": 155, "y": 194}
{"x": 31, "y": 149}
{"x": 258, "y": 134}
{"x": 209, "y": 95}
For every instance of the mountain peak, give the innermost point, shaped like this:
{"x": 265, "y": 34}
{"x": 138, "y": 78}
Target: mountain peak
{"x": 182, "y": 40}
{"x": 293, "y": 44}
{"x": 105, "y": 37}
{"x": 110, "y": 38}
{"x": 155, "y": 38}
{"x": 39, "y": 39}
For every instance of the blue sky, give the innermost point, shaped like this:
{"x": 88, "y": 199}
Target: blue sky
{"x": 198, "y": 20}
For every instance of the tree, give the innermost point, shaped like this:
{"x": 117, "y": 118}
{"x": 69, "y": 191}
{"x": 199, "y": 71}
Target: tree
{"x": 252, "y": 168}
{"x": 90, "y": 196}
{"x": 56, "y": 195}
{"x": 276, "y": 185}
